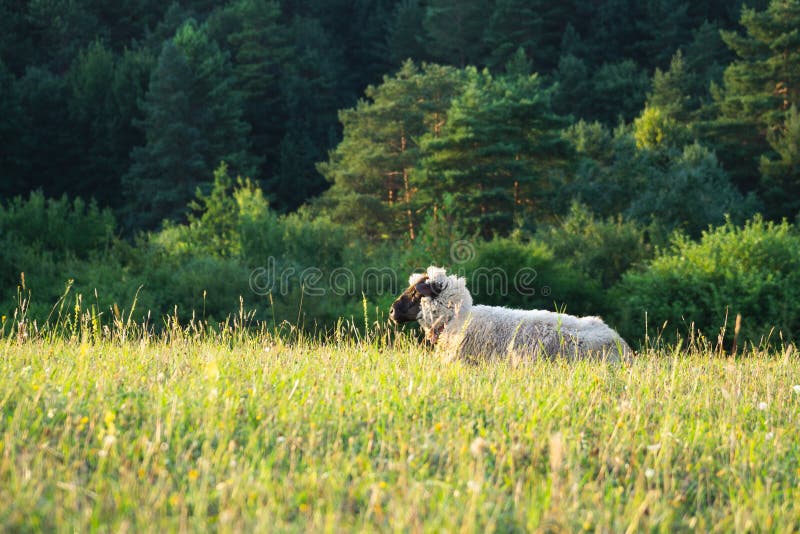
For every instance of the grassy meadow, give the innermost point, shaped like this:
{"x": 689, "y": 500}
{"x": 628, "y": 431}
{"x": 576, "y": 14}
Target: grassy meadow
{"x": 236, "y": 431}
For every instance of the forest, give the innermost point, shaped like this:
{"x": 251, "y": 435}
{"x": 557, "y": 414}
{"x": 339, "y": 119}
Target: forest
{"x": 295, "y": 161}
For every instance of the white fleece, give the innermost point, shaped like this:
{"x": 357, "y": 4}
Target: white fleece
{"x": 492, "y": 332}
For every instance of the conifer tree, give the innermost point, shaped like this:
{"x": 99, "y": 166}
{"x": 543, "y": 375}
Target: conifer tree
{"x": 759, "y": 89}
{"x": 780, "y": 171}
{"x": 310, "y": 95}
{"x": 454, "y": 29}
{"x": 192, "y": 121}
{"x": 12, "y": 121}
{"x": 372, "y": 168}
{"x": 496, "y": 151}
{"x": 260, "y": 52}
{"x": 94, "y": 116}
{"x": 406, "y": 34}
{"x": 514, "y": 24}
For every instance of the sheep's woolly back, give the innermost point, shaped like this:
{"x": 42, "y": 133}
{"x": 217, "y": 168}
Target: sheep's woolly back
{"x": 489, "y": 332}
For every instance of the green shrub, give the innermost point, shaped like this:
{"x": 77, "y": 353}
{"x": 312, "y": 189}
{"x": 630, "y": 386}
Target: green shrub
{"x": 512, "y": 272}
{"x": 61, "y": 226}
{"x": 752, "y": 270}
{"x": 601, "y": 249}
{"x": 51, "y": 241}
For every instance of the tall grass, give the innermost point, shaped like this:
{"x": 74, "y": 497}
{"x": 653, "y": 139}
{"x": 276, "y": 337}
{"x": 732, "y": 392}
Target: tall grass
{"x": 110, "y": 425}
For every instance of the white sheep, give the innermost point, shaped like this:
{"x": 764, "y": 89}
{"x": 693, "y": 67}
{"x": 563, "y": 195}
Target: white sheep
{"x": 443, "y": 306}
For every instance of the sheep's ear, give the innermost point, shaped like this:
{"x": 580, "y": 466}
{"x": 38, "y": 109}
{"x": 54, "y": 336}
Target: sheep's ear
{"x": 427, "y": 289}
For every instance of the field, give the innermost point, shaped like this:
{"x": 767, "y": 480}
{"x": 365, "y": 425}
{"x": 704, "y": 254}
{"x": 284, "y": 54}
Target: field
{"x": 235, "y": 432}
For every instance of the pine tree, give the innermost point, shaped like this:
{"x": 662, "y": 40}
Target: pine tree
{"x": 406, "y": 35}
{"x": 780, "y": 173}
{"x": 261, "y": 50}
{"x": 671, "y": 90}
{"x": 454, "y": 29}
{"x": 619, "y": 91}
{"x": 706, "y": 57}
{"x": 496, "y": 151}
{"x": 95, "y": 120}
{"x": 260, "y": 47}
{"x": 759, "y": 89}
{"x": 311, "y": 93}
{"x": 666, "y": 119}
{"x": 372, "y": 168}
{"x": 49, "y": 146}
{"x": 665, "y": 27}
{"x": 192, "y": 121}
{"x": 514, "y": 24}
{"x": 60, "y": 28}
{"x": 12, "y": 122}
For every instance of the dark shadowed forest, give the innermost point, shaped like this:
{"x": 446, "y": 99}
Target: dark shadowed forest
{"x": 295, "y": 161}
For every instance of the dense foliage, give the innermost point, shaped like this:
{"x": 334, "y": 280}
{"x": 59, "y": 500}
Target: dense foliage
{"x": 288, "y": 153}
{"x": 752, "y": 271}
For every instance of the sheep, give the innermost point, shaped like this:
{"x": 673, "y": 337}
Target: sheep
{"x": 442, "y": 305}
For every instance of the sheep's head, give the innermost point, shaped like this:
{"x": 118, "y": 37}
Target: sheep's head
{"x": 407, "y": 307}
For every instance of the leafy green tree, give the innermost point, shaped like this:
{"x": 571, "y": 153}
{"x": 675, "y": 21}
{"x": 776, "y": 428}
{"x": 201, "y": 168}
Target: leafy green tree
{"x": 608, "y": 171}
{"x": 654, "y": 129}
{"x": 759, "y": 89}
{"x": 372, "y": 168}
{"x": 603, "y": 249}
{"x": 496, "y": 152}
{"x": 192, "y": 121}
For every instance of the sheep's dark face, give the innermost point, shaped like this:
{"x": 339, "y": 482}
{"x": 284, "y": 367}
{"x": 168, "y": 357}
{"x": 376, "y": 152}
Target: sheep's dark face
{"x": 407, "y": 306}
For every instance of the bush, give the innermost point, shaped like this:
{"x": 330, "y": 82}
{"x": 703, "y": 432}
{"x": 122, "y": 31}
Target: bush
{"x": 601, "y": 249}
{"x": 60, "y": 226}
{"x": 51, "y": 241}
{"x": 689, "y": 191}
{"x": 752, "y": 270}
{"x": 526, "y": 274}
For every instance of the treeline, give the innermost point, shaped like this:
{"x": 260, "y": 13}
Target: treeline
{"x": 590, "y": 142}
{"x": 237, "y": 259}
{"x": 136, "y": 104}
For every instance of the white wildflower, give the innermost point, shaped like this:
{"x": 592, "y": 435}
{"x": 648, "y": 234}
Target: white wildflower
{"x": 478, "y": 447}
{"x": 649, "y": 472}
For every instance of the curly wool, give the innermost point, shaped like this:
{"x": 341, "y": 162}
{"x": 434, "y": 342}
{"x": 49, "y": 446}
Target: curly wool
{"x": 477, "y": 332}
